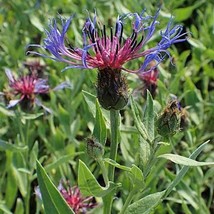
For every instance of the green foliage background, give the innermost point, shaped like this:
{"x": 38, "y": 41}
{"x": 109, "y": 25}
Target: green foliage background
{"x": 58, "y": 140}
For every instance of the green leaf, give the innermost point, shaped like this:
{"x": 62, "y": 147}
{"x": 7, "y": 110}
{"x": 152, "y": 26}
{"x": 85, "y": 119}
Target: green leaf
{"x": 145, "y": 152}
{"x": 209, "y": 53}
{"x": 61, "y": 160}
{"x": 100, "y": 131}
{"x": 184, "y": 169}
{"x": 90, "y": 100}
{"x": 33, "y": 155}
{"x": 11, "y": 189}
{"x": 137, "y": 177}
{"x": 19, "y": 207}
{"x": 31, "y": 116}
{"x": 146, "y": 204}
{"x": 88, "y": 184}
{"x": 117, "y": 165}
{"x": 11, "y": 147}
{"x": 54, "y": 203}
{"x": 196, "y": 43}
{"x": 21, "y": 180}
{"x": 182, "y": 14}
{"x": 36, "y": 22}
{"x": 149, "y": 116}
{"x": 184, "y": 161}
{"x": 6, "y": 112}
{"x": 139, "y": 125}
{"x": 135, "y": 173}
{"x": 4, "y": 208}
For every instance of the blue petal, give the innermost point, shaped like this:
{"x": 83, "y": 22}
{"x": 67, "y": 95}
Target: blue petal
{"x": 73, "y": 66}
{"x": 13, "y": 103}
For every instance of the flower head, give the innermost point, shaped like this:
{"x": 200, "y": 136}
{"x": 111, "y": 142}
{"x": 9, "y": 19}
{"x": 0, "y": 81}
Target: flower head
{"x": 108, "y": 51}
{"x": 73, "y": 197}
{"x": 75, "y": 200}
{"x": 25, "y": 89}
{"x": 102, "y": 49}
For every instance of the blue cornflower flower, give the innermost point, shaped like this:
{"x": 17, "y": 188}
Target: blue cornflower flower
{"x": 111, "y": 51}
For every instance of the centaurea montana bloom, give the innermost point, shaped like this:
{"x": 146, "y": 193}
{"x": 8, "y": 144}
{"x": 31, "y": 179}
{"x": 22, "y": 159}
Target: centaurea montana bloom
{"x": 73, "y": 197}
{"x": 75, "y": 200}
{"x": 25, "y": 89}
{"x": 109, "y": 52}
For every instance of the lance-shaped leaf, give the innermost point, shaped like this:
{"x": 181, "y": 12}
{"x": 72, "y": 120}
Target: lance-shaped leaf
{"x": 90, "y": 100}
{"x": 184, "y": 169}
{"x": 137, "y": 177}
{"x": 139, "y": 125}
{"x": 54, "y": 203}
{"x": 146, "y": 204}
{"x": 100, "y": 131}
{"x": 136, "y": 174}
{"x": 88, "y": 184}
{"x": 11, "y": 147}
{"x": 184, "y": 161}
{"x": 117, "y": 165}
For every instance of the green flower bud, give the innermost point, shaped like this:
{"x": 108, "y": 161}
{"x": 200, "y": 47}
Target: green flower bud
{"x": 112, "y": 89}
{"x": 168, "y": 122}
{"x": 94, "y": 149}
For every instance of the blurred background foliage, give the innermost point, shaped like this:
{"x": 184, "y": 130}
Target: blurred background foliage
{"x": 58, "y": 140}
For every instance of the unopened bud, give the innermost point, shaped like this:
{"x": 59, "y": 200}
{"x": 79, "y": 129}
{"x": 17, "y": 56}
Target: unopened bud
{"x": 112, "y": 89}
{"x": 168, "y": 122}
{"x": 94, "y": 149}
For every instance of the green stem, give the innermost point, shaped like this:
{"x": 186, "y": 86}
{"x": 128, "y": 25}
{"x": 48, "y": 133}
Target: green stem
{"x": 114, "y": 119}
{"x": 104, "y": 171}
{"x": 24, "y": 134}
{"x": 128, "y": 200}
{"x": 27, "y": 198}
{"x": 114, "y": 126}
{"x": 107, "y": 200}
{"x": 27, "y": 155}
{"x": 152, "y": 160}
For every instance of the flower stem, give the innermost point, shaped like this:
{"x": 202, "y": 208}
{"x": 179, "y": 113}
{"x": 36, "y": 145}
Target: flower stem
{"x": 114, "y": 126}
{"x": 114, "y": 120}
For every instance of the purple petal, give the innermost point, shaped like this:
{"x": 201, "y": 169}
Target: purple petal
{"x": 41, "y": 86}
